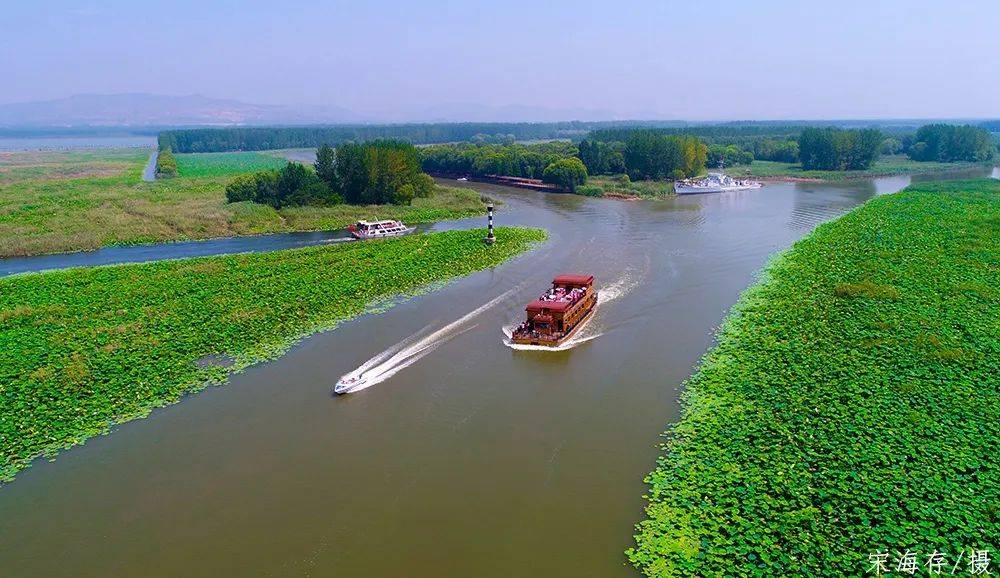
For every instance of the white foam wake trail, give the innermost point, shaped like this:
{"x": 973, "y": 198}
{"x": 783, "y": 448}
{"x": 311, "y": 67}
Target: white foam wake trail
{"x": 410, "y": 350}
{"x": 617, "y": 288}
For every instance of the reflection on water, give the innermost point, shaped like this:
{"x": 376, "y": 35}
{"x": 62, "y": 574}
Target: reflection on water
{"x": 475, "y": 461}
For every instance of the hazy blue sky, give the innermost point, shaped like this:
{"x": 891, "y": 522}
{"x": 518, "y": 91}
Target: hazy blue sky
{"x": 691, "y": 59}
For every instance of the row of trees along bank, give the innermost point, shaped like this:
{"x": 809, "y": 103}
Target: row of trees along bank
{"x": 166, "y": 164}
{"x": 389, "y": 171}
{"x": 377, "y": 172}
{"x": 202, "y": 140}
{"x": 643, "y": 155}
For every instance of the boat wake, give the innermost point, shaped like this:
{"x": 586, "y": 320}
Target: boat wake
{"x": 409, "y": 351}
{"x": 588, "y": 331}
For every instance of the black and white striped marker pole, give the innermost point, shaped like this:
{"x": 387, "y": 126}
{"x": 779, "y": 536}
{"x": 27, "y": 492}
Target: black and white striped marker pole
{"x": 490, "y": 239}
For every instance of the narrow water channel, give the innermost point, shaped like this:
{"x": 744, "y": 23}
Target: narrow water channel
{"x": 149, "y": 171}
{"x": 475, "y": 461}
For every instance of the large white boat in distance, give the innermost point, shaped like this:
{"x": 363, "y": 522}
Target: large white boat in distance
{"x": 378, "y": 229}
{"x": 714, "y": 183}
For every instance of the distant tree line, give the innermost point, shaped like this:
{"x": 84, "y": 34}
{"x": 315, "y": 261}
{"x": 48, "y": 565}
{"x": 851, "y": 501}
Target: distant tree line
{"x": 267, "y": 138}
{"x": 553, "y": 162}
{"x": 834, "y": 149}
{"x": 710, "y": 133}
{"x": 951, "y": 143}
{"x": 644, "y": 154}
{"x": 512, "y": 160}
{"x": 166, "y": 164}
{"x": 377, "y": 172}
{"x": 650, "y": 155}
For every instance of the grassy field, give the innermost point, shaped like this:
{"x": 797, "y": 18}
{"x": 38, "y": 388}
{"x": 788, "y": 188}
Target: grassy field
{"x": 225, "y": 164}
{"x": 885, "y": 166}
{"x": 852, "y": 405}
{"x": 49, "y": 165}
{"x": 85, "y": 349}
{"x": 70, "y": 201}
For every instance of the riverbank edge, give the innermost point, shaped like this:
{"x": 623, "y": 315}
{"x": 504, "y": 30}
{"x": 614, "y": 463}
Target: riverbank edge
{"x": 665, "y": 534}
{"x": 240, "y": 363}
{"x": 839, "y": 176}
{"x": 454, "y": 216}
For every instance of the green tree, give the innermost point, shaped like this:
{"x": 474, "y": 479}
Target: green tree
{"x": 650, "y": 154}
{"x": 326, "y": 166}
{"x": 891, "y": 146}
{"x": 291, "y": 178}
{"x": 833, "y": 149}
{"x": 352, "y": 172}
{"x": 568, "y": 173}
{"x": 950, "y": 143}
{"x": 818, "y": 149}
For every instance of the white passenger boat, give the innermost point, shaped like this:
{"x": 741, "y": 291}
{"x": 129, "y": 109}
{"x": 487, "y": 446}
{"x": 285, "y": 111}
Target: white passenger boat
{"x": 714, "y": 183}
{"x": 378, "y": 229}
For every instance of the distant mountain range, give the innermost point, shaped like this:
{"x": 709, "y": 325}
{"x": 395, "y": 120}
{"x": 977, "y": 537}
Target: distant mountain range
{"x": 138, "y": 109}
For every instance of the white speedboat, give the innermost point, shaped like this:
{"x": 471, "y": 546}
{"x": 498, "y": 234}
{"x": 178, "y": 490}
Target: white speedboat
{"x": 349, "y": 383}
{"x": 714, "y": 183}
{"x": 378, "y": 229}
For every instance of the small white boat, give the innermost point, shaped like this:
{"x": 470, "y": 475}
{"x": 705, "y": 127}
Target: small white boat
{"x": 378, "y": 229}
{"x": 463, "y": 179}
{"x": 714, "y": 183}
{"x": 348, "y": 383}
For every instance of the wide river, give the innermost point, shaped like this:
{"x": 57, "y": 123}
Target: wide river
{"x": 477, "y": 460}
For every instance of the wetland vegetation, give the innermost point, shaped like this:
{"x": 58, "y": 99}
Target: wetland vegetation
{"x": 62, "y": 201}
{"x": 851, "y": 405}
{"x": 90, "y": 348}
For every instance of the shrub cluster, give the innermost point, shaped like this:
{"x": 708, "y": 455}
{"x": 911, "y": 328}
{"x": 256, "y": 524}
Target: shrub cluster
{"x": 377, "y": 173}
{"x": 166, "y": 164}
{"x": 292, "y": 185}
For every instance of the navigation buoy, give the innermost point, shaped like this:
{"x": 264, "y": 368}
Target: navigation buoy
{"x": 490, "y": 239}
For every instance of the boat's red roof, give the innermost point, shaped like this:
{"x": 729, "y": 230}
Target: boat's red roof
{"x": 573, "y": 280}
{"x": 538, "y": 305}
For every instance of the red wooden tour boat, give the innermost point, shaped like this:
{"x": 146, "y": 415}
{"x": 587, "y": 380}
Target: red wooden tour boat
{"x": 556, "y": 315}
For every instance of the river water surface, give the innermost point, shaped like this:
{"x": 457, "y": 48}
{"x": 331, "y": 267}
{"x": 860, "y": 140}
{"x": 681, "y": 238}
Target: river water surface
{"x": 477, "y": 460}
